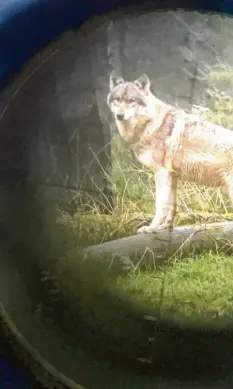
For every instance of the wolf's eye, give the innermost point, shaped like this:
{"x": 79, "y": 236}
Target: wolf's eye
{"x": 117, "y": 99}
{"x": 131, "y": 101}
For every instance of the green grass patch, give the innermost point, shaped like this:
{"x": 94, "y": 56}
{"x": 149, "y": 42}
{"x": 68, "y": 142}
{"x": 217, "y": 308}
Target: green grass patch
{"x": 197, "y": 289}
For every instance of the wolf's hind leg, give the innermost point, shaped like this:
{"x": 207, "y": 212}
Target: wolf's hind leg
{"x": 228, "y": 187}
{"x": 166, "y": 195}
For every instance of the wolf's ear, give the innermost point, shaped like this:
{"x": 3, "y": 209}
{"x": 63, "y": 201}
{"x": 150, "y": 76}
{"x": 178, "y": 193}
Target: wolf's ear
{"x": 143, "y": 83}
{"x": 115, "y": 80}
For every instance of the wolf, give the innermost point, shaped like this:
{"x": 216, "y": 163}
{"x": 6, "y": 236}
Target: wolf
{"x": 174, "y": 144}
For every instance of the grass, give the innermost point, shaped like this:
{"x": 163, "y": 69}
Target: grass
{"x": 198, "y": 288}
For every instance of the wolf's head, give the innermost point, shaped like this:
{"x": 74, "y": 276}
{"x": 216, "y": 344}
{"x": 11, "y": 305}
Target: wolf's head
{"x": 126, "y": 99}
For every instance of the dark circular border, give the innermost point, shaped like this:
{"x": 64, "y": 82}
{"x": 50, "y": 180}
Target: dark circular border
{"x": 26, "y": 26}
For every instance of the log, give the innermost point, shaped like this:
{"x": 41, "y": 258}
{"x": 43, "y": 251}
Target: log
{"x": 130, "y": 251}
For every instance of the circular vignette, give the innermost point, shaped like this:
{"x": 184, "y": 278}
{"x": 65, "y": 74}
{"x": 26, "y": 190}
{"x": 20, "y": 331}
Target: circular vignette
{"x": 8, "y": 69}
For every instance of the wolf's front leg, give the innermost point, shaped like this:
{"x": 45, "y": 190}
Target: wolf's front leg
{"x": 166, "y": 194}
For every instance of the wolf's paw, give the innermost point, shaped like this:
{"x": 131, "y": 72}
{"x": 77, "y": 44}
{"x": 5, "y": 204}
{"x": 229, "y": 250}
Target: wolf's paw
{"x": 146, "y": 230}
{"x": 152, "y": 229}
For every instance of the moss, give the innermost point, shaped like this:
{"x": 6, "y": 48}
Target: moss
{"x": 90, "y": 229}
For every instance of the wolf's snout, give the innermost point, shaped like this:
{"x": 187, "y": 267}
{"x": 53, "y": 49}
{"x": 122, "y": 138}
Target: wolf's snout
{"x": 120, "y": 116}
